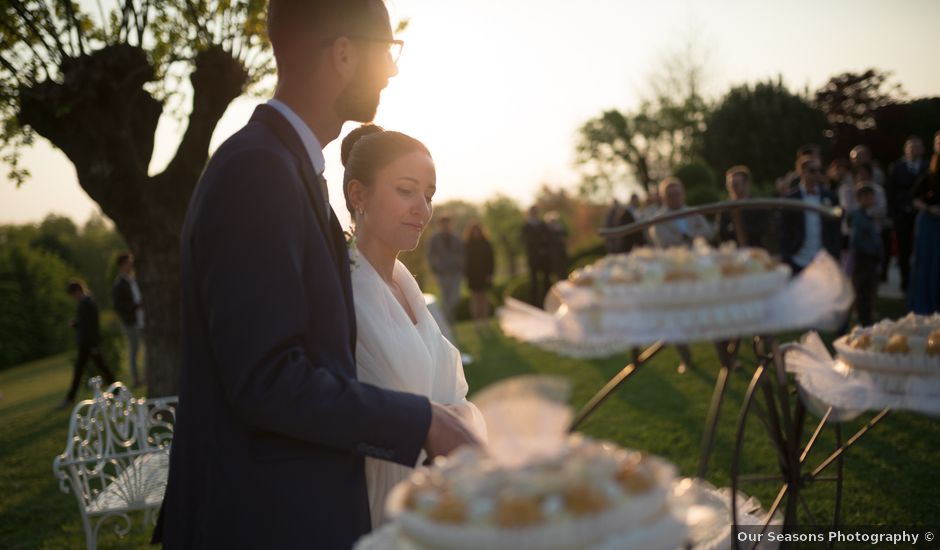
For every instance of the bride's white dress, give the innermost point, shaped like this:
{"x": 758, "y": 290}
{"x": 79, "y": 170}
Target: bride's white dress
{"x": 394, "y": 353}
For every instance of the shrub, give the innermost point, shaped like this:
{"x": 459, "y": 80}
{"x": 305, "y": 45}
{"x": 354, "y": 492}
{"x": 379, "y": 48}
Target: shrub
{"x": 36, "y": 310}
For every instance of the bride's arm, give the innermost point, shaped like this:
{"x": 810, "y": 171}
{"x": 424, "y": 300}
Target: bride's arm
{"x": 471, "y": 415}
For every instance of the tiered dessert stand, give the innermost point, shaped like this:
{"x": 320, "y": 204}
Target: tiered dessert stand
{"x": 771, "y": 397}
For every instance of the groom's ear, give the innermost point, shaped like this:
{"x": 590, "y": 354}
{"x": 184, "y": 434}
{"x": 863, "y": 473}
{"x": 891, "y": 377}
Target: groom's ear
{"x": 344, "y": 58}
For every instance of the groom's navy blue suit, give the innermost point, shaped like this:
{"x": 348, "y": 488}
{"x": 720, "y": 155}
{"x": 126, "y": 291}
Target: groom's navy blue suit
{"x": 272, "y": 425}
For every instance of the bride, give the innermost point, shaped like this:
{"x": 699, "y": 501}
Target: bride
{"x": 389, "y": 183}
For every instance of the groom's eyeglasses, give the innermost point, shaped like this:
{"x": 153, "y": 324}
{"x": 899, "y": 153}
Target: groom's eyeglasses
{"x": 394, "y": 46}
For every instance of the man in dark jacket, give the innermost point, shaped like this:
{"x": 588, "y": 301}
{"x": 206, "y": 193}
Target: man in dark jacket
{"x": 273, "y": 426}
{"x": 904, "y": 174}
{"x": 88, "y": 339}
{"x": 803, "y": 233}
{"x": 535, "y": 238}
{"x": 126, "y": 298}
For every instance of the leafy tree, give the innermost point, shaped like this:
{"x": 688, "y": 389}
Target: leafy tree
{"x": 850, "y": 101}
{"x": 761, "y": 126}
{"x": 701, "y": 183}
{"x": 503, "y": 219}
{"x": 645, "y": 145}
{"x": 96, "y": 84}
{"x": 35, "y": 313}
{"x": 57, "y": 235}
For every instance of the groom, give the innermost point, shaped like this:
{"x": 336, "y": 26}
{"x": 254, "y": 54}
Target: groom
{"x": 272, "y": 425}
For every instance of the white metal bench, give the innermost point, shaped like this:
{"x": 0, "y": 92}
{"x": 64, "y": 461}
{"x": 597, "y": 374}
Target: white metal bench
{"x": 117, "y": 457}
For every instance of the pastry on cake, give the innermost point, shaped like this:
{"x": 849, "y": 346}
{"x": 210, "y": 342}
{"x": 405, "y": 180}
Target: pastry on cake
{"x": 907, "y": 345}
{"x": 587, "y": 493}
{"x": 682, "y": 275}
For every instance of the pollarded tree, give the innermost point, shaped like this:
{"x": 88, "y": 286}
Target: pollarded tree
{"x": 96, "y": 83}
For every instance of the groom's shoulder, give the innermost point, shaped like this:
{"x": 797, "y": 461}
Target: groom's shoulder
{"x": 253, "y": 143}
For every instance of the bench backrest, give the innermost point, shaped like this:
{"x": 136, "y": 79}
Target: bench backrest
{"x": 107, "y": 434}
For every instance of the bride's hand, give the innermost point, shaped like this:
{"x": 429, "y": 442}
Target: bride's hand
{"x": 447, "y": 432}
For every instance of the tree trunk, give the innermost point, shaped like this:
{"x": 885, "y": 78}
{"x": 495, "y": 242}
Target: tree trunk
{"x": 104, "y": 120}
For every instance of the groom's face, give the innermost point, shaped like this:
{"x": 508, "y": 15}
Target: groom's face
{"x": 359, "y": 100}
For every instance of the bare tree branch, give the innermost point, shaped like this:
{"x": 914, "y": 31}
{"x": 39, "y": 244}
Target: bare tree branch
{"x": 74, "y": 24}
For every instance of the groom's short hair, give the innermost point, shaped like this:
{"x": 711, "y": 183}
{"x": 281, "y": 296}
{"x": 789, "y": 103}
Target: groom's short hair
{"x": 328, "y": 17}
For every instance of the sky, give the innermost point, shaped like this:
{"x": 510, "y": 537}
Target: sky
{"x": 498, "y": 88}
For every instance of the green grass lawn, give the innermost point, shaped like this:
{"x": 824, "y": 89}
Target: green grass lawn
{"x": 890, "y": 474}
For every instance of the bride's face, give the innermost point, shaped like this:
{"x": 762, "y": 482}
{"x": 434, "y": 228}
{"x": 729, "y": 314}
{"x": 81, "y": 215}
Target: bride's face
{"x": 397, "y": 205}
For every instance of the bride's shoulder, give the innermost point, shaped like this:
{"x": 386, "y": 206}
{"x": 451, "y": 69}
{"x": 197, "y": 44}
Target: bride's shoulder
{"x": 404, "y": 278}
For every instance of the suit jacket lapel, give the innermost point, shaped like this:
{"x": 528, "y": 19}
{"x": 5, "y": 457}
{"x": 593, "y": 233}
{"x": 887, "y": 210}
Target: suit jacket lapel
{"x": 339, "y": 240}
{"x": 332, "y": 231}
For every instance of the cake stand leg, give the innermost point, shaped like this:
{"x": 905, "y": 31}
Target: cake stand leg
{"x": 614, "y": 383}
{"x": 728, "y": 357}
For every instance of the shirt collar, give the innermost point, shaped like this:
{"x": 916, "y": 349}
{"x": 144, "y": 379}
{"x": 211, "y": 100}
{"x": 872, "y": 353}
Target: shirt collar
{"x": 306, "y": 135}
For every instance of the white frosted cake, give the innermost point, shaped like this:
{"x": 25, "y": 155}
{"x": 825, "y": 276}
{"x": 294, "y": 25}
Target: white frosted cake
{"x": 682, "y": 276}
{"x": 910, "y": 345}
{"x": 584, "y": 495}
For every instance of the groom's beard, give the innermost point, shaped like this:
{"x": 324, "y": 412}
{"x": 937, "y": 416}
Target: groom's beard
{"x": 360, "y": 100}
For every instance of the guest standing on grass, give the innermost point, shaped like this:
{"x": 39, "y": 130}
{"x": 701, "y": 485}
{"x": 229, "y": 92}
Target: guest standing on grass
{"x": 754, "y": 222}
{"x": 904, "y": 173}
{"x": 924, "y": 294}
{"x": 557, "y": 247}
{"x": 679, "y": 232}
{"x": 535, "y": 240}
{"x": 127, "y": 302}
{"x": 87, "y": 338}
{"x": 479, "y": 271}
{"x": 446, "y": 257}
{"x": 804, "y": 233}
{"x": 865, "y": 247}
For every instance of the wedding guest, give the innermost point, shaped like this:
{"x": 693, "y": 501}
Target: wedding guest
{"x": 634, "y": 204}
{"x": 789, "y": 182}
{"x": 618, "y": 217}
{"x": 754, "y": 222}
{"x": 651, "y": 205}
{"x": 680, "y": 232}
{"x": 535, "y": 238}
{"x": 841, "y": 182}
{"x": 87, "y": 339}
{"x": 446, "y": 258}
{"x": 127, "y": 302}
{"x": 612, "y": 219}
{"x": 804, "y": 233}
{"x": 557, "y": 247}
{"x": 861, "y": 154}
{"x": 864, "y": 175}
{"x": 479, "y": 271}
{"x": 924, "y": 296}
{"x": 865, "y": 247}
{"x": 903, "y": 175}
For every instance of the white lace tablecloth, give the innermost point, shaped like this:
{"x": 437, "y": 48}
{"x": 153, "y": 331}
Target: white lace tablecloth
{"x": 826, "y": 381}
{"x": 704, "y": 510}
{"x": 817, "y": 298}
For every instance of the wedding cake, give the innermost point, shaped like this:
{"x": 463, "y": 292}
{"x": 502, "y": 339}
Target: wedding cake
{"x": 580, "y": 497}
{"x": 682, "y": 276}
{"x": 900, "y": 348}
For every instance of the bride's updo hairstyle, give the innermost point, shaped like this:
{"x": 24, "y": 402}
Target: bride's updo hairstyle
{"x": 368, "y": 149}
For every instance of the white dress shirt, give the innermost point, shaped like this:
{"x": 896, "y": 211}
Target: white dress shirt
{"x": 812, "y": 232}
{"x": 311, "y": 144}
